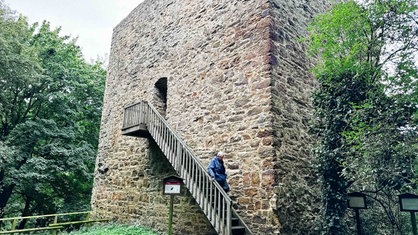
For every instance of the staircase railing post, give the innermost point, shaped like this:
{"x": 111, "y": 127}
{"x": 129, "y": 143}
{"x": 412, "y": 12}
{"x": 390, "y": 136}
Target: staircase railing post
{"x": 179, "y": 157}
{"x": 228, "y": 218}
{"x": 143, "y": 116}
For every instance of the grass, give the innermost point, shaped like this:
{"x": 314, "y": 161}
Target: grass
{"x": 113, "y": 229}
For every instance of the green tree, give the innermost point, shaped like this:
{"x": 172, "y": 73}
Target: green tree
{"x": 50, "y": 108}
{"x": 365, "y": 104}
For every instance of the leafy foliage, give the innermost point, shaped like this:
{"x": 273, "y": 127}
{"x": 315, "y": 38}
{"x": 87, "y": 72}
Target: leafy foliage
{"x": 114, "y": 229}
{"x": 50, "y": 108}
{"x": 366, "y": 106}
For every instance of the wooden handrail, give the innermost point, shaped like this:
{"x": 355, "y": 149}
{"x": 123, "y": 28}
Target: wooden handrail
{"x": 132, "y": 116}
{"x": 215, "y": 203}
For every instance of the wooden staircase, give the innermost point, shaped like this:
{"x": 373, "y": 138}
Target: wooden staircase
{"x": 143, "y": 120}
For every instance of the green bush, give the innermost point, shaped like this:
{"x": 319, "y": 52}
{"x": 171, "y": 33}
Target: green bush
{"x": 113, "y": 229}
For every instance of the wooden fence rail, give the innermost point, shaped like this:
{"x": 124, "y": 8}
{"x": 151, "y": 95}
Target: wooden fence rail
{"x": 50, "y": 222}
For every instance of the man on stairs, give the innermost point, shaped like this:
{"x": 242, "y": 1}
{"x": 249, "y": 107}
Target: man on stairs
{"x": 216, "y": 170}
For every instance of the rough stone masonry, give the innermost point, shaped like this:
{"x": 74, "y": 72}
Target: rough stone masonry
{"x": 235, "y": 78}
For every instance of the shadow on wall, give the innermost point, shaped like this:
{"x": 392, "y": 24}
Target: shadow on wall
{"x": 160, "y": 167}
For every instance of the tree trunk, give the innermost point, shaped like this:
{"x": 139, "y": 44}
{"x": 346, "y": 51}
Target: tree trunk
{"x": 4, "y": 198}
{"x": 4, "y": 130}
{"x": 7, "y": 189}
{"x": 25, "y": 212}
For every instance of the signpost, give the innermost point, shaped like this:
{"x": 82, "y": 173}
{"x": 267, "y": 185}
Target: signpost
{"x": 409, "y": 202}
{"x": 357, "y": 201}
{"x": 172, "y": 187}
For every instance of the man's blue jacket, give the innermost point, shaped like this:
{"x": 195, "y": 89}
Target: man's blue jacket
{"x": 216, "y": 169}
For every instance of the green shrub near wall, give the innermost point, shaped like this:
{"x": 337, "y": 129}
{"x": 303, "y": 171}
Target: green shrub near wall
{"x": 113, "y": 229}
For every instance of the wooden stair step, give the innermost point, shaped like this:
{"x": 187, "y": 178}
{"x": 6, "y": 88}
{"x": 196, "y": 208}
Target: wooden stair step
{"x": 234, "y": 221}
{"x": 238, "y": 230}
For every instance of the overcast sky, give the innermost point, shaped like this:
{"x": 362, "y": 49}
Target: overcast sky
{"x": 92, "y": 21}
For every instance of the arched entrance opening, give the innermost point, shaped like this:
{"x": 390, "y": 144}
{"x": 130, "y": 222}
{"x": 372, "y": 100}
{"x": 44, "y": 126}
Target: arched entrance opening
{"x": 160, "y": 96}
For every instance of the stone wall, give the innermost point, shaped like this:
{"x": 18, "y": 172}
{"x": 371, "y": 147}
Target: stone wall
{"x": 296, "y": 190}
{"x": 237, "y": 81}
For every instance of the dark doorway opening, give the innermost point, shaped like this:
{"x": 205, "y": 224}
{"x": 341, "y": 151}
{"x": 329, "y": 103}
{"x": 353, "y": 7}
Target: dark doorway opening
{"x": 160, "y": 96}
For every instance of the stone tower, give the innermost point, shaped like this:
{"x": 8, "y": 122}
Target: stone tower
{"x": 226, "y": 75}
